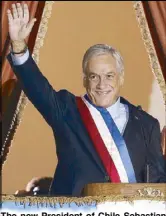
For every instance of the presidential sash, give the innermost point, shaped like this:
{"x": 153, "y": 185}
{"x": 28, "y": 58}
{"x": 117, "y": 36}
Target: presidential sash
{"x": 107, "y": 141}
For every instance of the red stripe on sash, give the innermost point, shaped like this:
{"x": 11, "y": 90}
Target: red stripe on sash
{"x": 97, "y": 141}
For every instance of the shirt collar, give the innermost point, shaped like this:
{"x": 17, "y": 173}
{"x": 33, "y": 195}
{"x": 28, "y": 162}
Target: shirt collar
{"x": 114, "y": 108}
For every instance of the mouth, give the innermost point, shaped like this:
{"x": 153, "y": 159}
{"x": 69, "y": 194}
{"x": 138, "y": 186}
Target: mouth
{"x": 103, "y": 92}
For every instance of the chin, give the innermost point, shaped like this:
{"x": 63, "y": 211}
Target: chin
{"x": 104, "y": 104}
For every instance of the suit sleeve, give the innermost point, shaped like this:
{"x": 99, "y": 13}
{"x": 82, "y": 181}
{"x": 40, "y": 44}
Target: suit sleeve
{"x": 157, "y": 171}
{"x": 38, "y": 90}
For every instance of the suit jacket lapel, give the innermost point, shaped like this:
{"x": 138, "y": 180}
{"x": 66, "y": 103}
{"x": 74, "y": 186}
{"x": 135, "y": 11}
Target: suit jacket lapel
{"x": 133, "y": 124}
{"x": 134, "y": 138}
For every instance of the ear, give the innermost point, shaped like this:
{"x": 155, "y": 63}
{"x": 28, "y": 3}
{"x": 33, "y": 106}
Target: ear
{"x": 84, "y": 82}
{"x": 121, "y": 77}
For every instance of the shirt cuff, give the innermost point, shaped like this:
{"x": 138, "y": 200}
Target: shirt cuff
{"x": 19, "y": 60}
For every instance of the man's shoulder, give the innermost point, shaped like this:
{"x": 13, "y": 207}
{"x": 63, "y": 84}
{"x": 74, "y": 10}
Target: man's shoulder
{"x": 65, "y": 95}
{"x": 142, "y": 114}
{"x": 146, "y": 116}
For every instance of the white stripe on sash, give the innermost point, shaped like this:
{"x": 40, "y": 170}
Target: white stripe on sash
{"x": 108, "y": 141}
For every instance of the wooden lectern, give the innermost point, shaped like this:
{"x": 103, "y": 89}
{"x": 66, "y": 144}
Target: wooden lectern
{"x": 125, "y": 189}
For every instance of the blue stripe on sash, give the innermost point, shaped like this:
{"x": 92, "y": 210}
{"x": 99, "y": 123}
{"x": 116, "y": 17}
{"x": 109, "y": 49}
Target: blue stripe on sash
{"x": 119, "y": 141}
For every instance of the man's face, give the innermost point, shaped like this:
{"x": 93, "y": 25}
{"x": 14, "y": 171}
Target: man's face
{"x": 102, "y": 80}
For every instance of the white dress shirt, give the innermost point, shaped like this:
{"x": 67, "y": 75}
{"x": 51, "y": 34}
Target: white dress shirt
{"x": 120, "y": 114}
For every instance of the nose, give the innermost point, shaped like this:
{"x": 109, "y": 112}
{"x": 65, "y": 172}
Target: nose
{"x": 101, "y": 83}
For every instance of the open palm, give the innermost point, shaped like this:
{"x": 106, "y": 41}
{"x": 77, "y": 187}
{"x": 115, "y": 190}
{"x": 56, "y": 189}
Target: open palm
{"x": 19, "y": 25}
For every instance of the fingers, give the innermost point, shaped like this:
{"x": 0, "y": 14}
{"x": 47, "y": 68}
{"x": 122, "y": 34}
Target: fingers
{"x": 19, "y": 10}
{"x": 31, "y": 24}
{"x": 10, "y": 17}
{"x": 14, "y": 10}
{"x": 20, "y": 192}
{"x": 26, "y": 12}
{"x": 31, "y": 184}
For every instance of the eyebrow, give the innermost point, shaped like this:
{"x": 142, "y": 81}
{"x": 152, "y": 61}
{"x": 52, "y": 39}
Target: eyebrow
{"x": 91, "y": 73}
{"x": 110, "y": 72}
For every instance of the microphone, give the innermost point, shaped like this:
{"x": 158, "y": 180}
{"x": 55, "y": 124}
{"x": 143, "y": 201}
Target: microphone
{"x": 147, "y": 173}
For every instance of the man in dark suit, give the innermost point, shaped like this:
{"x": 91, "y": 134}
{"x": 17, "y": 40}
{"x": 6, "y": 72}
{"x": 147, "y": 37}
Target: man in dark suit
{"x": 100, "y": 137}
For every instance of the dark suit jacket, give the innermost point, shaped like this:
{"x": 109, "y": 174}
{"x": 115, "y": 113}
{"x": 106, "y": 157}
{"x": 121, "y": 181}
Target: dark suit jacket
{"x": 78, "y": 162}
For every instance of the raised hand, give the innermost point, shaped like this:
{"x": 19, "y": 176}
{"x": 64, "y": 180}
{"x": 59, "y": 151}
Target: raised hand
{"x": 19, "y": 24}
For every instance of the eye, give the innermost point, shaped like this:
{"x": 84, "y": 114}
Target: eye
{"x": 110, "y": 76}
{"x": 93, "y": 77}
